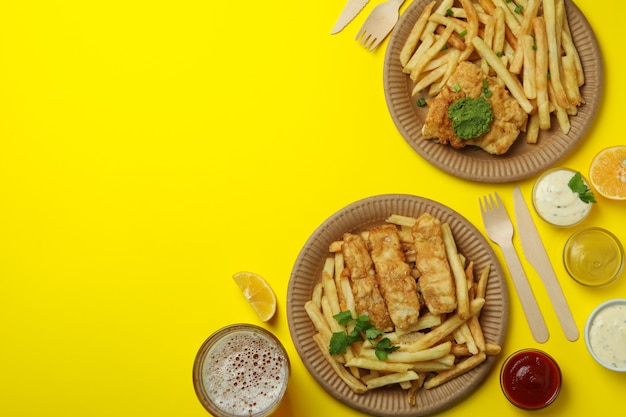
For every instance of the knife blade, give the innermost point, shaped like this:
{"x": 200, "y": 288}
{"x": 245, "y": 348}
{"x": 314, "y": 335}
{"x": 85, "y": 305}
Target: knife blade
{"x": 535, "y": 253}
{"x": 350, "y": 10}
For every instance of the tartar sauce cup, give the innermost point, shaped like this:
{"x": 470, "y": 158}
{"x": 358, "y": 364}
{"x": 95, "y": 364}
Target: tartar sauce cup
{"x": 530, "y": 379}
{"x": 241, "y": 370}
{"x": 593, "y": 256}
{"x": 555, "y": 202}
{"x": 605, "y": 334}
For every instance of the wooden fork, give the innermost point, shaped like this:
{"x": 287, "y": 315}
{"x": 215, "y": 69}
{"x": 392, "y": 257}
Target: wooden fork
{"x": 379, "y": 23}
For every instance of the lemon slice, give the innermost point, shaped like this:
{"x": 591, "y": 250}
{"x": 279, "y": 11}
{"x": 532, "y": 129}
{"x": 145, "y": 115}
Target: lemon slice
{"x": 258, "y": 293}
{"x": 607, "y": 172}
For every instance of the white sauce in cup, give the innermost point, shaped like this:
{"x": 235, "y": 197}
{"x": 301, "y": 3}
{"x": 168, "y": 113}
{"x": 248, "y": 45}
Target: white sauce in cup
{"x": 607, "y": 335}
{"x": 555, "y": 202}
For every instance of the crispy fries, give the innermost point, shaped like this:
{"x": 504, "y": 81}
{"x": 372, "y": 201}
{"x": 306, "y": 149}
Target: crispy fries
{"x": 526, "y": 44}
{"x": 434, "y": 350}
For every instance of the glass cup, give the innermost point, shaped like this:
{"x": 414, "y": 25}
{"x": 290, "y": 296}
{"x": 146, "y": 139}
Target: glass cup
{"x": 530, "y": 379}
{"x": 555, "y": 202}
{"x": 241, "y": 370}
{"x": 593, "y": 256}
{"x": 605, "y": 334}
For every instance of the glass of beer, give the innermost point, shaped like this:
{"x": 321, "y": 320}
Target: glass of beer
{"x": 241, "y": 370}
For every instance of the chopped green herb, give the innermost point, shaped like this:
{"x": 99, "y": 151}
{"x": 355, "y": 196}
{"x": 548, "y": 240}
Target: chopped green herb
{"x": 486, "y": 91}
{"x": 421, "y": 102}
{"x": 519, "y": 9}
{"x": 499, "y": 54}
{"x": 449, "y": 12}
{"x": 578, "y": 186}
{"x": 457, "y": 88}
{"x": 361, "y": 328}
{"x": 463, "y": 33}
{"x": 549, "y": 75}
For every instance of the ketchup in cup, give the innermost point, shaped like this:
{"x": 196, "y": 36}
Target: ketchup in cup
{"x": 530, "y": 379}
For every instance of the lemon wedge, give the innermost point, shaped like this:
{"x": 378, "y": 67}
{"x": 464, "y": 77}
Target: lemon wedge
{"x": 258, "y": 293}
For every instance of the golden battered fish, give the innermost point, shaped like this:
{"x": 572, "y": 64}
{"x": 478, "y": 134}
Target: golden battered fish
{"x": 396, "y": 284}
{"x": 436, "y": 281}
{"x": 467, "y": 81}
{"x": 360, "y": 270}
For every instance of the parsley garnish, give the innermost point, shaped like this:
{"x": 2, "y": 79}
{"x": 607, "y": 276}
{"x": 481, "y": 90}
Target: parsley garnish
{"x": 578, "y": 186}
{"x": 361, "y": 327}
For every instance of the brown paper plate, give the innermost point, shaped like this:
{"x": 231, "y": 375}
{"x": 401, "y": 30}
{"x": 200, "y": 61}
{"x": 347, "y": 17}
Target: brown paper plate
{"x": 307, "y": 271}
{"x": 522, "y": 160}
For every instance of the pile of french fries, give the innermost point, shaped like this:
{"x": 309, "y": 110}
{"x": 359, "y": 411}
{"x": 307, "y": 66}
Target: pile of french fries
{"x": 437, "y": 349}
{"x": 526, "y": 44}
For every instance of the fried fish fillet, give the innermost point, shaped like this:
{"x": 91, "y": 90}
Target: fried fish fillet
{"x": 396, "y": 284}
{"x": 436, "y": 281}
{"x": 467, "y": 81}
{"x": 360, "y": 270}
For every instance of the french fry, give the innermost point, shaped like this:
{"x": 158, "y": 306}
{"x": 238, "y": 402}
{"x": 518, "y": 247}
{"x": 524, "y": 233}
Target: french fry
{"x": 429, "y": 78}
{"x": 390, "y": 379}
{"x": 378, "y": 365}
{"x": 513, "y": 84}
{"x": 532, "y": 128}
{"x": 316, "y": 297}
{"x": 431, "y": 52}
{"x": 460, "y": 368}
{"x": 409, "y": 356}
{"x": 530, "y": 12}
{"x": 418, "y": 55}
{"x": 447, "y": 327}
{"x": 440, "y": 11}
{"x": 481, "y": 286}
{"x": 457, "y": 272}
{"x": 509, "y": 16}
{"x": 472, "y": 28}
{"x": 542, "y": 69}
{"x": 415, "y": 387}
{"x": 401, "y": 220}
{"x": 477, "y": 335}
{"x": 463, "y": 332}
{"x": 408, "y": 49}
{"x": 529, "y": 68}
{"x": 554, "y": 48}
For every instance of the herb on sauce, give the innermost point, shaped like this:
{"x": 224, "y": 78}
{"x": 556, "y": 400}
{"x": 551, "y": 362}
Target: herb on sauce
{"x": 361, "y": 327}
{"x": 470, "y": 117}
{"x": 578, "y": 186}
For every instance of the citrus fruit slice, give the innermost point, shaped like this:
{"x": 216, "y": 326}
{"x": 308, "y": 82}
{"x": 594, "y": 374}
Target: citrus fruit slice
{"x": 258, "y": 293}
{"x": 607, "y": 172}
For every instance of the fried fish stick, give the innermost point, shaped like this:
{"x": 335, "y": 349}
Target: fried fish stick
{"x": 436, "y": 281}
{"x": 396, "y": 284}
{"x": 360, "y": 270}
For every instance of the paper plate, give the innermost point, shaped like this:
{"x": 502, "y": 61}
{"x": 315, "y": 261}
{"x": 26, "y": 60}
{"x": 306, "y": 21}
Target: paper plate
{"x": 522, "y": 160}
{"x": 307, "y": 271}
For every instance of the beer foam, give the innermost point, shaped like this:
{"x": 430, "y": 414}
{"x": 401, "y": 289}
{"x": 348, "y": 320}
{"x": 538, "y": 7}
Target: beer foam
{"x": 245, "y": 373}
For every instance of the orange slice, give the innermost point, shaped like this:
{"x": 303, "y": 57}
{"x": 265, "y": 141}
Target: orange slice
{"x": 258, "y": 293}
{"x": 607, "y": 172}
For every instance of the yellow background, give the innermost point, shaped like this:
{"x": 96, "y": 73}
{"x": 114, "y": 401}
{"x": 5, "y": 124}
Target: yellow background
{"x": 151, "y": 149}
